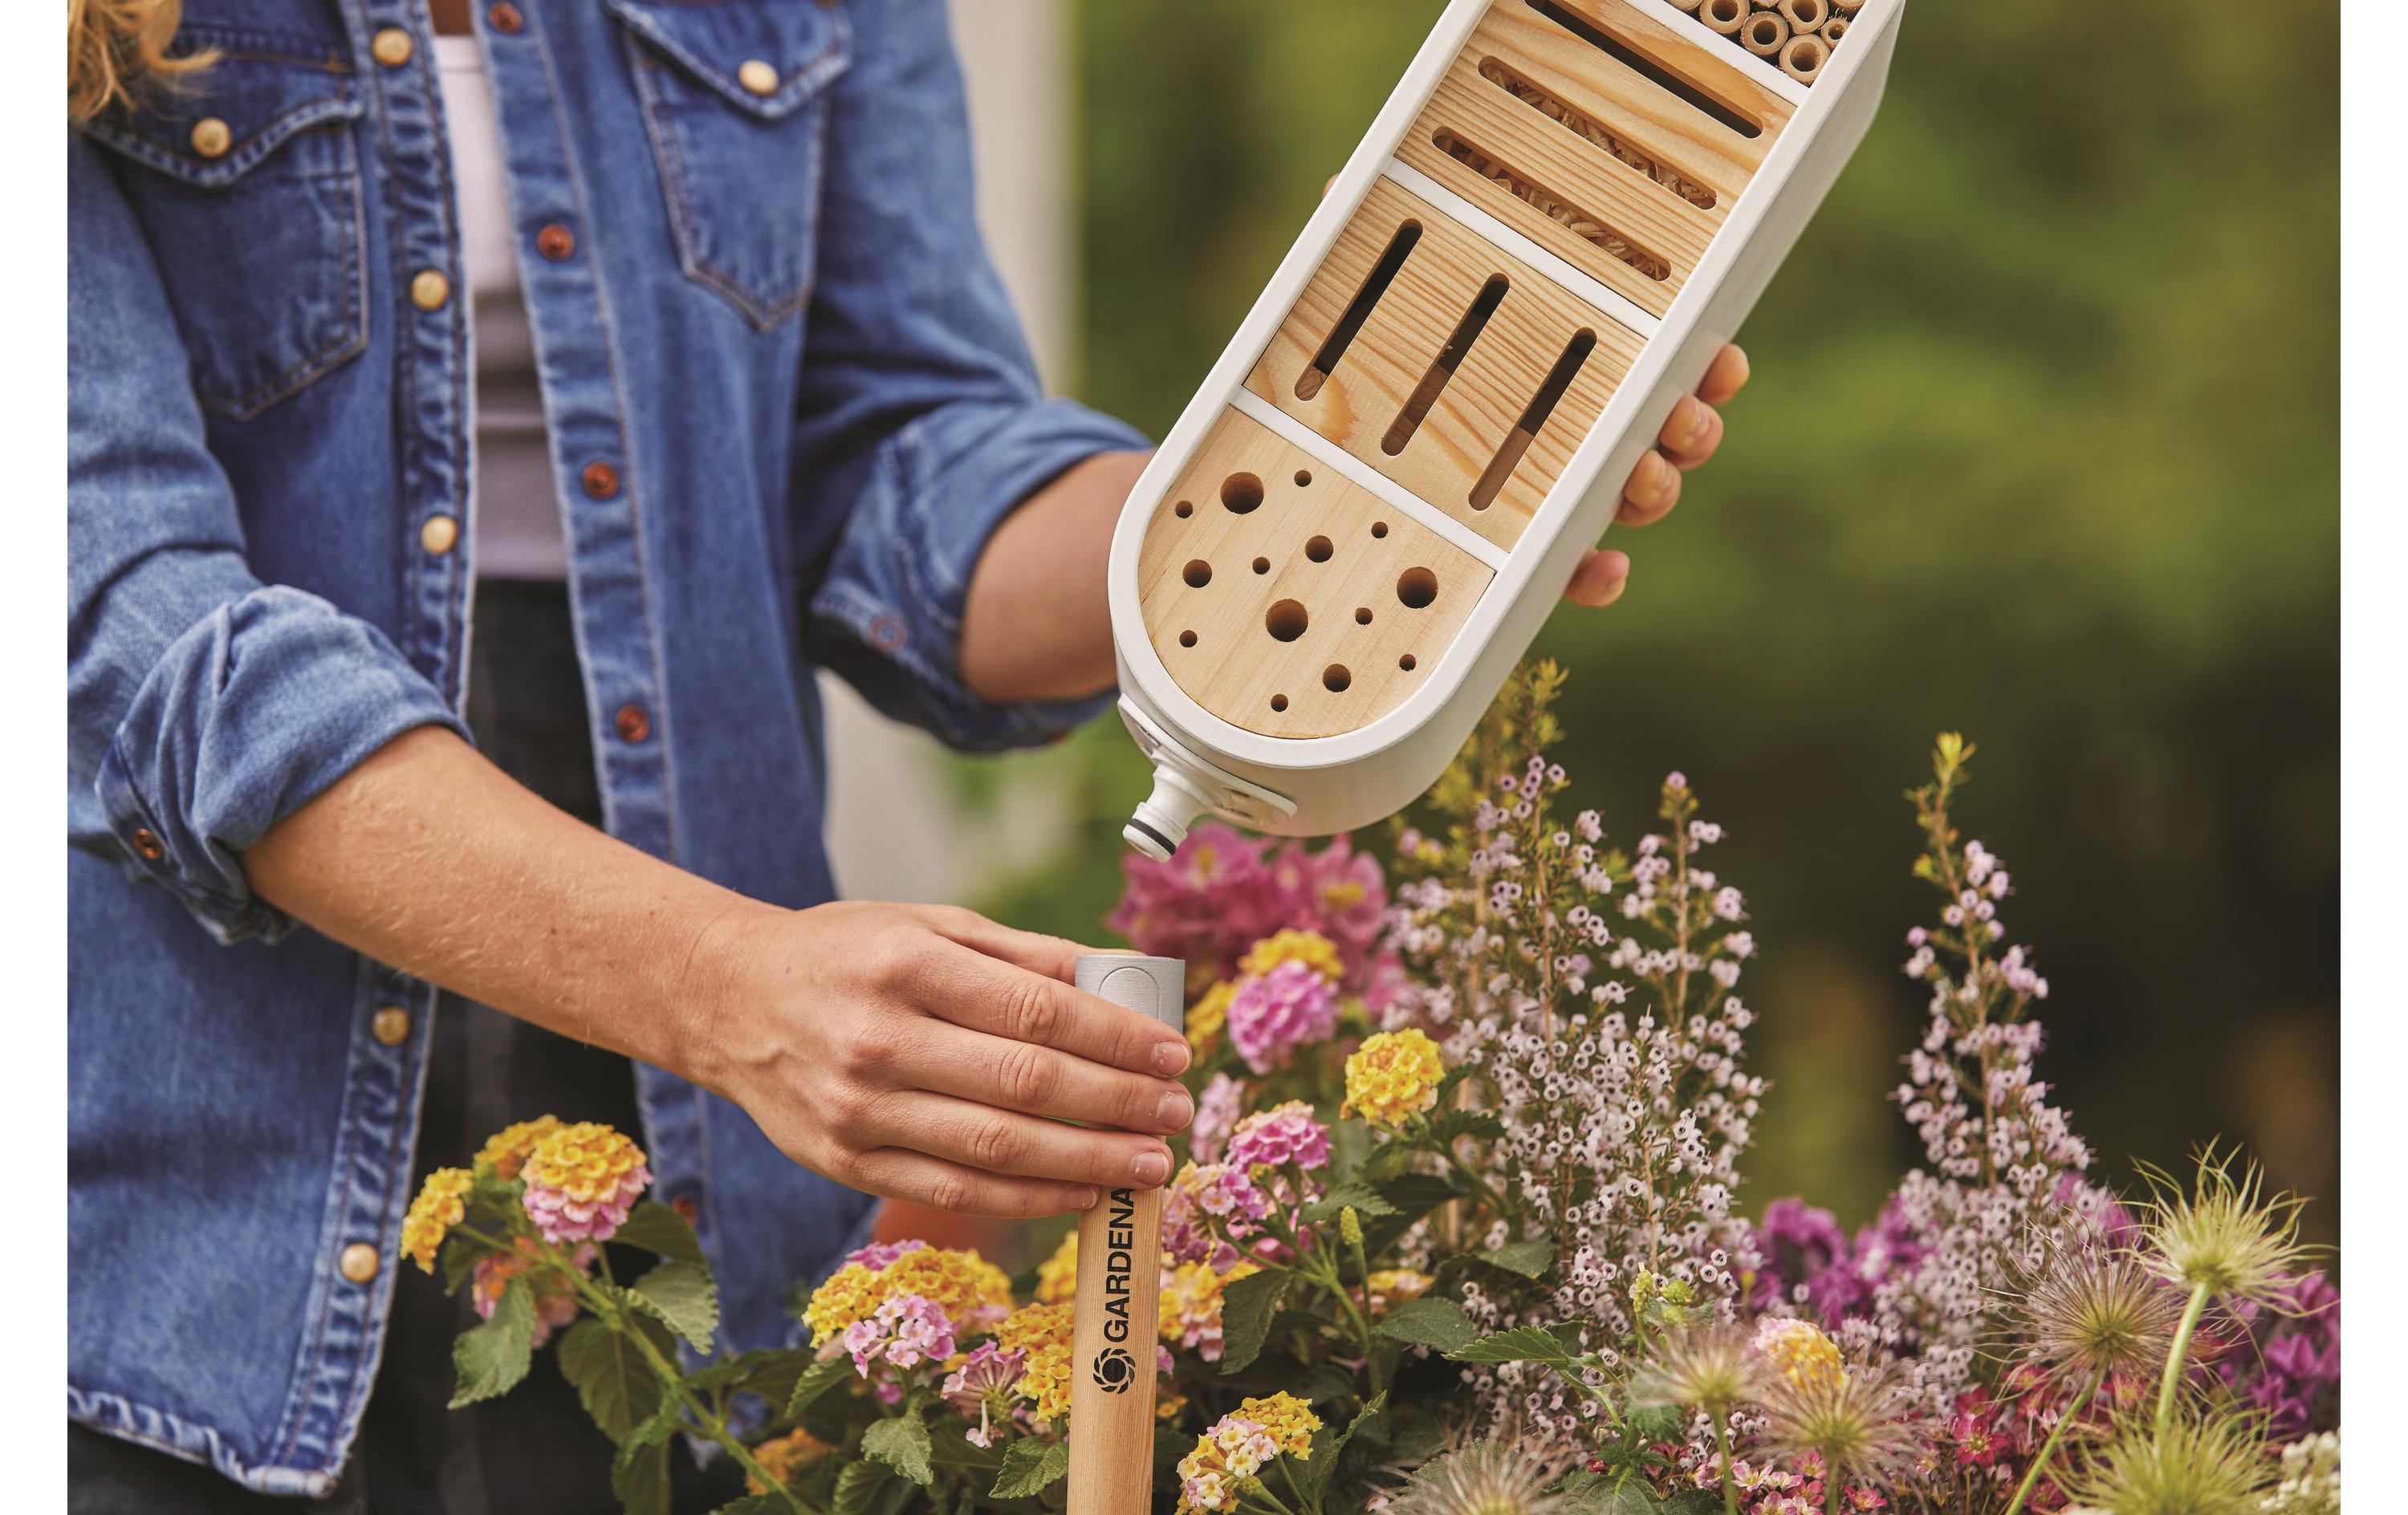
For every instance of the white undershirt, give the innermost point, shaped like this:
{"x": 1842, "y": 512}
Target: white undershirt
{"x": 517, "y": 519}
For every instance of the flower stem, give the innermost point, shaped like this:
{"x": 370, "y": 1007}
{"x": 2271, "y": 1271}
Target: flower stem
{"x": 2175, "y": 1359}
{"x": 2031, "y": 1475}
{"x": 1722, "y": 1444}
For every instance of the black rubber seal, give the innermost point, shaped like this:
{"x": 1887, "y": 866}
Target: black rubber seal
{"x": 1165, "y": 842}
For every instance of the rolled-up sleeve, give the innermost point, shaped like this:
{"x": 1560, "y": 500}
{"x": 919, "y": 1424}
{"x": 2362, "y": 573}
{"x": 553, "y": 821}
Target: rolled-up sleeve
{"x": 922, "y": 425}
{"x": 203, "y": 706}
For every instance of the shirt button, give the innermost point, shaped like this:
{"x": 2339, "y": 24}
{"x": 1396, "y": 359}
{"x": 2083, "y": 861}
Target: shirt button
{"x": 146, "y": 842}
{"x": 212, "y": 138}
{"x": 439, "y": 535}
{"x": 555, "y": 241}
{"x": 391, "y": 47}
{"x": 390, "y": 1025}
{"x": 429, "y": 290}
{"x": 504, "y": 18}
{"x": 756, "y": 76}
{"x": 601, "y": 481}
{"x": 633, "y": 725}
{"x": 359, "y": 1262}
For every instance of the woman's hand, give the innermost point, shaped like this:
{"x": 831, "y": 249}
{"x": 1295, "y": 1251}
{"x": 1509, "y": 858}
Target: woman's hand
{"x": 1690, "y": 435}
{"x": 926, "y": 1054}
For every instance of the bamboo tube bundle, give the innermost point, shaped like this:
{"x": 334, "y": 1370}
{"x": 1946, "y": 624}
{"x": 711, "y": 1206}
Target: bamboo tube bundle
{"x": 1805, "y": 16}
{"x": 1834, "y": 29}
{"x": 1804, "y": 57}
{"x": 1723, "y": 16}
{"x": 1848, "y": 7}
{"x": 1765, "y": 32}
{"x": 1686, "y": 5}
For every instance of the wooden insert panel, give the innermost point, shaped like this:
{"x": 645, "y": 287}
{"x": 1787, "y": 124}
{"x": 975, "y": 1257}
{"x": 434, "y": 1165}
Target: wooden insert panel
{"x": 1492, "y": 433}
{"x": 1637, "y": 139}
{"x": 1285, "y": 599}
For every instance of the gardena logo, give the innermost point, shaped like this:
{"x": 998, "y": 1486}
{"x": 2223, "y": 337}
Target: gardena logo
{"x": 1115, "y": 1370}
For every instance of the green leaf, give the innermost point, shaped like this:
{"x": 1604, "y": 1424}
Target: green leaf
{"x": 684, "y": 1299}
{"x": 1446, "y": 1127}
{"x": 458, "y": 1260}
{"x": 901, "y": 1443}
{"x": 1413, "y": 1195}
{"x": 1616, "y": 1493}
{"x": 642, "y": 1481}
{"x": 1246, "y": 1310}
{"x": 1369, "y": 1203}
{"x": 1324, "y": 1383}
{"x": 1315, "y": 1473}
{"x": 1657, "y": 1423}
{"x": 1428, "y": 1323}
{"x": 950, "y": 1446}
{"x": 656, "y": 1228}
{"x": 492, "y": 1358}
{"x": 1030, "y": 1467}
{"x": 857, "y": 1486}
{"x": 817, "y": 1380}
{"x": 1523, "y": 1343}
{"x": 614, "y": 1384}
{"x": 1694, "y": 1502}
{"x": 756, "y": 1503}
{"x": 1528, "y": 1259}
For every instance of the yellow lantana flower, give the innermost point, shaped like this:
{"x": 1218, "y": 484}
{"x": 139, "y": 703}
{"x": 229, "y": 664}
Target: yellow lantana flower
{"x": 1058, "y": 1277}
{"x": 442, "y": 1205}
{"x": 1310, "y": 947}
{"x": 957, "y": 1282}
{"x": 1799, "y": 1352}
{"x": 1043, "y": 1331}
{"x": 1286, "y": 1419}
{"x": 1209, "y": 1017}
{"x": 785, "y": 1457}
{"x": 1393, "y": 1077}
{"x": 509, "y": 1147}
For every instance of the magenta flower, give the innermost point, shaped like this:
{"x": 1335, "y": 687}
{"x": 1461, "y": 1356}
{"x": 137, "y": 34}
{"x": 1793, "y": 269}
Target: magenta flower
{"x": 1219, "y": 895}
{"x": 1217, "y": 1110}
{"x": 1200, "y": 1195}
{"x": 879, "y": 1255}
{"x": 1282, "y": 1134}
{"x": 1273, "y": 1015}
{"x": 907, "y": 1331}
{"x": 981, "y": 1388}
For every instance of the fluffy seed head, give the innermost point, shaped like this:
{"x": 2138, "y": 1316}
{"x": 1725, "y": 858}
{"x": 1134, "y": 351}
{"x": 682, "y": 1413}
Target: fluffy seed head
{"x": 1486, "y": 1477}
{"x": 1857, "y": 1421}
{"x": 2212, "y": 1466}
{"x": 1710, "y": 1367}
{"x": 2090, "y": 1311}
{"x": 2224, "y": 1232}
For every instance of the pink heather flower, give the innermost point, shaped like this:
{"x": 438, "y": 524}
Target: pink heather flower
{"x": 1217, "y": 1110}
{"x": 1275, "y": 1014}
{"x": 879, "y": 1255}
{"x": 981, "y": 1388}
{"x": 1284, "y": 1134}
{"x": 907, "y": 1331}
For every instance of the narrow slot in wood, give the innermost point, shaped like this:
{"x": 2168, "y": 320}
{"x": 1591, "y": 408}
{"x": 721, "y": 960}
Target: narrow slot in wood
{"x": 1538, "y": 98}
{"x": 1534, "y": 419}
{"x": 1342, "y": 336}
{"x": 1443, "y": 367}
{"x": 1586, "y": 225}
{"x": 1724, "y": 111}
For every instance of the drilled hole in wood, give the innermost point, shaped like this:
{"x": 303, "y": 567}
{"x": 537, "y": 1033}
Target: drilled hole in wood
{"x": 1547, "y": 105}
{"x": 1198, "y": 573}
{"x": 1319, "y": 549}
{"x": 1184, "y": 509}
{"x": 1379, "y": 528}
{"x": 1534, "y": 417}
{"x": 1406, "y": 663}
{"x": 1362, "y": 615}
{"x": 1278, "y": 702}
{"x": 1415, "y": 587}
{"x": 1287, "y": 620}
{"x": 1639, "y": 62}
{"x": 1335, "y": 679}
{"x": 1588, "y": 227}
{"x": 1358, "y": 311}
{"x": 1303, "y": 476}
{"x": 1241, "y": 493}
{"x": 1450, "y": 357}
{"x": 1187, "y": 638}
{"x": 1262, "y": 565}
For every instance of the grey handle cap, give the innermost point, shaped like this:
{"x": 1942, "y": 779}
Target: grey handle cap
{"x": 1154, "y": 986}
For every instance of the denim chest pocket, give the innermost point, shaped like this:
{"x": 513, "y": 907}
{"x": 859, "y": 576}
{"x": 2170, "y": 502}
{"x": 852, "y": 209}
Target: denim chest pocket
{"x": 246, "y": 178}
{"x": 733, "y": 98}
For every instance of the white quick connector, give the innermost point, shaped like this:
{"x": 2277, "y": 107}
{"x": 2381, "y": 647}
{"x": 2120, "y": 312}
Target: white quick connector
{"x": 1185, "y": 787}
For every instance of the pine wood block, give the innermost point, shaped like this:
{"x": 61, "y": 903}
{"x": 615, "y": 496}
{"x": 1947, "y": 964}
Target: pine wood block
{"x": 1391, "y": 357}
{"x": 1315, "y": 609}
{"x": 1649, "y": 119}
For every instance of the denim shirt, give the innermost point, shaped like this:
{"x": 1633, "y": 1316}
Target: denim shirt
{"x": 788, "y": 404}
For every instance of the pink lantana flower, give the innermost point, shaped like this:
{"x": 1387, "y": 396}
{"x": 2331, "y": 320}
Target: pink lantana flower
{"x": 1279, "y": 1135}
{"x": 1273, "y": 1015}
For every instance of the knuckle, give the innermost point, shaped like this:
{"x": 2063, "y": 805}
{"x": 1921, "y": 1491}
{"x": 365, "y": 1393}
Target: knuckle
{"x": 948, "y": 1191}
{"x": 1034, "y": 1015}
{"x": 994, "y": 1142}
{"x": 1025, "y": 1077}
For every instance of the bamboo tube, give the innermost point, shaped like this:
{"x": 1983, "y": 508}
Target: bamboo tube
{"x": 1686, "y": 4}
{"x": 1805, "y": 15}
{"x": 1834, "y": 29}
{"x": 1848, "y": 7}
{"x": 1804, "y": 57}
{"x": 1765, "y": 32}
{"x": 1723, "y": 16}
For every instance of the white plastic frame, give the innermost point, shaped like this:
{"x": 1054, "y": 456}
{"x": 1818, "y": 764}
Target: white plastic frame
{"x": 1321, "y": 785}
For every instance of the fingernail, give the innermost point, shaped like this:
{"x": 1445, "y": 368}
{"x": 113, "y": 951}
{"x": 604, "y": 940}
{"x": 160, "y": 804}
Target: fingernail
{"x": 1691, "y": 422}
{"x": 1087, "y": 1199}
{"x": 1149, "y": 1169}
{"x": 1659, "y": 478}
{"x": 1170, "y": 1059}
{"x": 1176, "y": 1110}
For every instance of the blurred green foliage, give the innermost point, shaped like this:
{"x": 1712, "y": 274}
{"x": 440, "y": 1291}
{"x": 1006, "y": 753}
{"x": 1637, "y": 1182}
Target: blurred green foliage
{"x": 2042, "y": 446}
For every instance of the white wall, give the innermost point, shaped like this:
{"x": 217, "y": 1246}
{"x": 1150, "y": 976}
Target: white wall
{"x": 893, "y": 829}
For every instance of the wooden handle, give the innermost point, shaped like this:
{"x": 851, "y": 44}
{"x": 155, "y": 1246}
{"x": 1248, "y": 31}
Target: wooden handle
{"x": 1111, "y": 1354}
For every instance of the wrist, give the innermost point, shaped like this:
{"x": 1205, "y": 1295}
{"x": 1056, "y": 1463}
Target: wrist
{"x": 713, "y": 966}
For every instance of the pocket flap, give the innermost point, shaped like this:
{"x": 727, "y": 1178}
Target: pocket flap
{"x": 764, "y": 57}
{"x": 262, "y": 88}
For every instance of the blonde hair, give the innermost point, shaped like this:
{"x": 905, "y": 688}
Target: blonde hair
{"x": 113, "y": 44}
